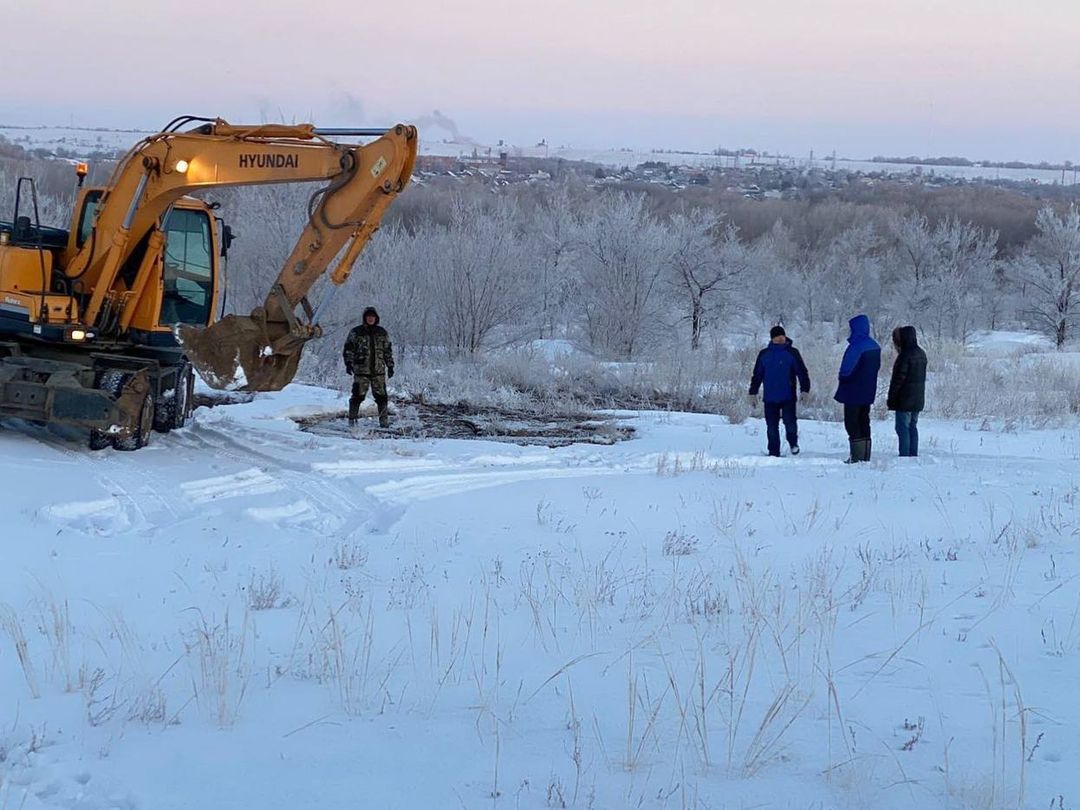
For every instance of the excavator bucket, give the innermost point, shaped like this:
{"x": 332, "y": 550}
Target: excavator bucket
{"x": 235, "y": 354}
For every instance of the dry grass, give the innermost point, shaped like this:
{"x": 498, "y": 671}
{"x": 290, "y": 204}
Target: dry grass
{"x": 220, "y": 653}
{"x": 13, "y": 628}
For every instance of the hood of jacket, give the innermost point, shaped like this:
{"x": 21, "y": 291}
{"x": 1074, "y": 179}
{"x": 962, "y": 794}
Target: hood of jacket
{"x": 370, "y": 311}
{"x": 908, "y": 338}
{"x": 860, "y": 328}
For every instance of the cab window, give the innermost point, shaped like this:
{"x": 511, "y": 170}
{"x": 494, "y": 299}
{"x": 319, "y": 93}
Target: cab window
{"x": 91, "y": 204}
{"x": 188, "y": 271}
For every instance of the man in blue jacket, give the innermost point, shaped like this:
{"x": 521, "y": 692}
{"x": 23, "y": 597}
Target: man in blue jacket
{"x": 858, "y": 386}
{"x": 778, "y": 366}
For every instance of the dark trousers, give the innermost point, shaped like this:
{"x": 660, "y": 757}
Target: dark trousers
{"x": 774, "y": 411}
{"x": 360, "y": 386}
{"x": 907, "y": 431}
{"x": 857, "y": 422}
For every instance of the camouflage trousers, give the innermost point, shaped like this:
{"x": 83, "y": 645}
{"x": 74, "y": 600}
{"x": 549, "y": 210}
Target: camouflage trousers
{"x": 361, "y": 383}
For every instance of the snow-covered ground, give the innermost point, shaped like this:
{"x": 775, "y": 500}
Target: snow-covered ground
{"x": 244, "y": 615}
{"x": 80, "y": 142}
{"x": 1003, "y": 343}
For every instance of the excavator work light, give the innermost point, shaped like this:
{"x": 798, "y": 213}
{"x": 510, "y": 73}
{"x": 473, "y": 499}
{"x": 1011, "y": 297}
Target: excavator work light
{"x": 81, "y": 170}
{"x": 77, "y": 334}
{"x": 181, "y": 166}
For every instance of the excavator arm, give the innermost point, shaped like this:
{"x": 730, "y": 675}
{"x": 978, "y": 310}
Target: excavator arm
{"x": 261, "y": 351}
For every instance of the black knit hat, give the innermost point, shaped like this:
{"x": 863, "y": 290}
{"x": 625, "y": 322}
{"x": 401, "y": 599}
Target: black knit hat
{"x": 777, "y": 331}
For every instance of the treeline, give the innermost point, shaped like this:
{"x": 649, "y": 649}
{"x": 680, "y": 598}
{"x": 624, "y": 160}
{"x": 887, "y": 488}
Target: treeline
{"x": 629, "y": 275}
{"x": 913, "y": 160}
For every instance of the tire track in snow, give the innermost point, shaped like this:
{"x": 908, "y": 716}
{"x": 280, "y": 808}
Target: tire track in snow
{"x": 251, "y": 481}
{"x": 427, "y": 487}
{"x": 351, "y": 467}
{"x": 319, "y": 504}
{"x": 134, "y": 496}
{"x": 201, "y": 437}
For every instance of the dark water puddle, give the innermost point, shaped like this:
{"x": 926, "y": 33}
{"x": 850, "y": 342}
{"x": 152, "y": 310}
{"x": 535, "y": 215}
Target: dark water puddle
{"x": 433, "y": 421}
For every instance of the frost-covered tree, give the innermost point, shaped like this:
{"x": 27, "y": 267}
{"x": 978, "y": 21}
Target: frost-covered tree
{"x": 810, "y": 253}
{"x": 624, "y": 251}
{"x": 1049, "y": 271}
{"x": 479, "y": 273}
{"x": 395, "y": 275}
{"x": 267, "y": 221}
{"x": 909, "y": 265}
{"x": 554, "y": 244}
{"x": 963, "y": 270}
{"x": 940, "y": 276}
{"x": 706, "y": 264}
{"x": 853, "y": 283}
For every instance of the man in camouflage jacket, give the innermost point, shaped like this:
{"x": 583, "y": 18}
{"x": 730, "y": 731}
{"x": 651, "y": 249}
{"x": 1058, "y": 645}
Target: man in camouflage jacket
{"x": 369, "y": 358}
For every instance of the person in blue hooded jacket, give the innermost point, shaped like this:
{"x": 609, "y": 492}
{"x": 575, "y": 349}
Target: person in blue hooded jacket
{"x": 858, "y": 386}
{"x": 778, "y": 366}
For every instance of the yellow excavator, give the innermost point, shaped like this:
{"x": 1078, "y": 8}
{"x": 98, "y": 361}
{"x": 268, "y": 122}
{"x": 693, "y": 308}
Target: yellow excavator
{"x": 103, "y": 324}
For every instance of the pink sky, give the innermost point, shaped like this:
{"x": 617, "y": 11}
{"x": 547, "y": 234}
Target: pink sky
{"x": 984, "y": 78}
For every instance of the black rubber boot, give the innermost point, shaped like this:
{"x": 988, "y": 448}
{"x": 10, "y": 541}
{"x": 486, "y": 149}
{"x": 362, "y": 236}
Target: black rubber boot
{"x": 860, "y": 451}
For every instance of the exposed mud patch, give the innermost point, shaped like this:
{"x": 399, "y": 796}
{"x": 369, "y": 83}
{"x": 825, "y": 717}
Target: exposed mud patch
{"x": 432, "y": 421}
{"x": 211, "y": 399}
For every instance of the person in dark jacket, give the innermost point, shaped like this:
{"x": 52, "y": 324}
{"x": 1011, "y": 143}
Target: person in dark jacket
{"x": 779, "y": 365}
{"x": 907, "y": 388}
{"x": 858, "y": 386}
{"x": 369, "y": 358}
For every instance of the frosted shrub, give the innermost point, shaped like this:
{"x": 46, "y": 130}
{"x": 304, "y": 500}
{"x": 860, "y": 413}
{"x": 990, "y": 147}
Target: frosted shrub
{"x": 265, "y": 590}
{"x": 679, "y": 544}
{"x": 1024, "y": 390}
{"x": 347, "y": 556}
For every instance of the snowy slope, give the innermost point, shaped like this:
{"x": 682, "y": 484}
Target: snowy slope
{"x": 670, "y": 622}
{"x": 76, "y": 141}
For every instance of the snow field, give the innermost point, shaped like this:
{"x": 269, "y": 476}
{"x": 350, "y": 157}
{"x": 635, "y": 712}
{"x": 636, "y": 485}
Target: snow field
{"x": 247, "y": 615}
